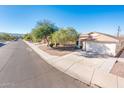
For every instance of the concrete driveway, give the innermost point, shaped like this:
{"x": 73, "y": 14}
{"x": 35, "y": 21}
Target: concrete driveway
{"x": 21, "y": 67}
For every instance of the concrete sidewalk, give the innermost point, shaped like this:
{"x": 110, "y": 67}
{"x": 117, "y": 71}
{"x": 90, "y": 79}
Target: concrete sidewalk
{"x": 92, "y": 71}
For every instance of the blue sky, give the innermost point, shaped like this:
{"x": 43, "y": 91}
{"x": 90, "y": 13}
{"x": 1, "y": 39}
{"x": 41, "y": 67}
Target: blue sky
{"x": 21, "y": 19}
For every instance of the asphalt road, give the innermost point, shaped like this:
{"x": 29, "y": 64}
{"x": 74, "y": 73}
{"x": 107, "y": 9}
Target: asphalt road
{"x": 21, "y": 67}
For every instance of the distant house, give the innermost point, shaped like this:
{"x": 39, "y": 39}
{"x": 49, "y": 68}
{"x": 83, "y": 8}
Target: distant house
{"x": 99, "y": 43}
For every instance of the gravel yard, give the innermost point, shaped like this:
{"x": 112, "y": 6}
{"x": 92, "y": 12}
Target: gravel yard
{"x": 118, "y": 69}
{"x": 57, "y": 51}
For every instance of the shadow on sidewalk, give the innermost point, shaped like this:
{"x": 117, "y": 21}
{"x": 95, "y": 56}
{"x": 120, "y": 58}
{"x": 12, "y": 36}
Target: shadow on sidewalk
{"x": 89, "y": 54}
{"x": 1, "y": 44}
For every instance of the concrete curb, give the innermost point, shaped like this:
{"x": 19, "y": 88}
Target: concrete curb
{"x": 89, "y": 75}
{"x": 41, "y": 53}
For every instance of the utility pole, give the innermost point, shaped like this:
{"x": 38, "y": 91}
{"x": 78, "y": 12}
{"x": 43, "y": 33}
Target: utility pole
{"x": 118, "y": 32}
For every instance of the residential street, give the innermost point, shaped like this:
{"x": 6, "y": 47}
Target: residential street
{"x": 21, "y": 67}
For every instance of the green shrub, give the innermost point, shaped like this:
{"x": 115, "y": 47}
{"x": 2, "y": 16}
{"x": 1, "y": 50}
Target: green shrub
{"x": 6, "y": 37}
{"x": 52, "y": 44}
{"x": 28, "y": 37}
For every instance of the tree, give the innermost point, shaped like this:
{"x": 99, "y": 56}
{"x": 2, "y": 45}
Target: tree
{"x": 43, "y": 30}
{"x": 64, "y": 36}
{"x": 36, "y": 35}
{"x": 54, "y": 38}
{"x": 72, "y": 34}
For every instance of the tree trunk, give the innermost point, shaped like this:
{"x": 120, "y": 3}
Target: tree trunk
{"x": 47, "y": 41}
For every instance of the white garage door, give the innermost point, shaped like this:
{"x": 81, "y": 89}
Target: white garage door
{"x": 101, "y": 48}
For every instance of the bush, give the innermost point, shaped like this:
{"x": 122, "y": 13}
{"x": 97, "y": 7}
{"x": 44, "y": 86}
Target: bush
{"x": 52, "y": 44}
{"x": 65, "y": 36}
{"x": 28, "y": 37}
{"x": 6, "y": 37}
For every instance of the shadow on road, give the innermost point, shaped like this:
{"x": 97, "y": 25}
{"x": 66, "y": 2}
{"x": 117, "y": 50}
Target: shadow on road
{"x": 1, "y": 44}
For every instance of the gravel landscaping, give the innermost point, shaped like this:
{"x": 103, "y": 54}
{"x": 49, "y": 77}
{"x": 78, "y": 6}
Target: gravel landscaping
{"x": 118, "y": 69}
{"x": 60, "y": 51}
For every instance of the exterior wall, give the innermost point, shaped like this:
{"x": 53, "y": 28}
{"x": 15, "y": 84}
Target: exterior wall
{"x": 80, "y": 43}
{"x": 101, "y": 48}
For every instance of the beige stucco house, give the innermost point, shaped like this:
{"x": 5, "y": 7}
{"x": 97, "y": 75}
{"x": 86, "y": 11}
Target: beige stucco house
{"x": 99, "y": 43}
